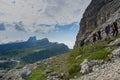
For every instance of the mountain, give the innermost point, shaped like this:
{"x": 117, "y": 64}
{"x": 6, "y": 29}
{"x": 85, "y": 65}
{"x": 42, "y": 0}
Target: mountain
{"x": 98, "y": 14}
{"x": 52, "y": 50}
{"x": 30, "y": 51}
{"x": 32, "y": 39}
{"x": 31, "y": 43}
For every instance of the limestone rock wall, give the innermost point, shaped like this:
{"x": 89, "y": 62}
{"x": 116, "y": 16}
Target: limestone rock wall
{"x": 96, "y": 14}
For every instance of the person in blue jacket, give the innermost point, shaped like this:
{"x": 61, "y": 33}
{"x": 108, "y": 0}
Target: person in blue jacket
{"x": 107, "y": 31}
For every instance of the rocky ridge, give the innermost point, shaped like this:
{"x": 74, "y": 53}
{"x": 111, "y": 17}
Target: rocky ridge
{"x": 98, "y": 14}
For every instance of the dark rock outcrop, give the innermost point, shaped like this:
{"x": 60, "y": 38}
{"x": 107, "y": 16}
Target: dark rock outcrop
{"x": 32, "y": 39}
{"x": 97, "y": 13}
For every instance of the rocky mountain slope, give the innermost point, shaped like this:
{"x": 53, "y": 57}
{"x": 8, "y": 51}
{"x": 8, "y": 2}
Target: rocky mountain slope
{"x": 108, "y": 71}
{"x": 102, "y": 70}
{"x": 98, "y": 61}
{"x": 30, "y": 51}
{"x": 98, "y": 14}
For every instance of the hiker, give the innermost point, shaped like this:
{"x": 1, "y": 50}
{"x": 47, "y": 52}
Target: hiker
{"x": 107, "y": 31}
{"x": 115, "y": 29}
{"x": 94, "y": 37}
{"x": 82, "y": 42}
{"x": 99, "y": 35}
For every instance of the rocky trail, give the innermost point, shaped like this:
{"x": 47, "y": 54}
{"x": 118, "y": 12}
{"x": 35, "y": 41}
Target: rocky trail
{"x": 108, "y": 71}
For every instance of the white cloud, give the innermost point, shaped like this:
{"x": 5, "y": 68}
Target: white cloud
{"x": 34, "y": 12}
{"x": 24, "y": 18}
{"x": 44, "y": 29}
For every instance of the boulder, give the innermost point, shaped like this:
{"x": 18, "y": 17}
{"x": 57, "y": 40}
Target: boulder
{"x": 87, "y": 66}
{"x": 26, "y": 71}
{"x": 54, "y": 74}
{"x": 47, "y": 71}
{"x": 115, "y": 43}
{"x": 115, "y": 54}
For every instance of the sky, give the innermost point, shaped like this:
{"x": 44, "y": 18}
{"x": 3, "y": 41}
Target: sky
{"x": 57, "y": 20}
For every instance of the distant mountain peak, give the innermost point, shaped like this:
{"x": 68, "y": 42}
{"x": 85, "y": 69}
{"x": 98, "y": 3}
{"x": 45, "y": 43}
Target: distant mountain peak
{"x": 32, "y": 39}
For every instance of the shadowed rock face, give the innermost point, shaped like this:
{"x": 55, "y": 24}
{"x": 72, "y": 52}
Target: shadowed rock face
{"x": 97, "y": 13}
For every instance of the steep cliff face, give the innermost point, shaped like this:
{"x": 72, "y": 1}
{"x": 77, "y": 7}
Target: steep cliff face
{"x": 97, "y": 13}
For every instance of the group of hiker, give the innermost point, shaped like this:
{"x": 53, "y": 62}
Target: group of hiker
{"x": 97, "y": 35}
{"x": 114, "y": 30}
